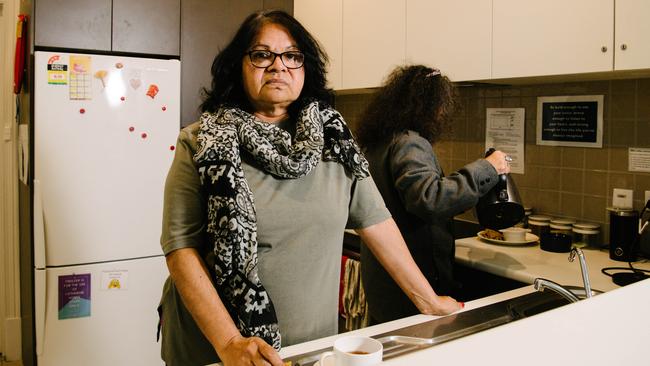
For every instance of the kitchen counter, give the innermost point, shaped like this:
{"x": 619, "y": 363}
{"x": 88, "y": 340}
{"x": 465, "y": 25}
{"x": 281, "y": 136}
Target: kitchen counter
{"x": 609, "y": 329}
{"x": 525, "y": 263}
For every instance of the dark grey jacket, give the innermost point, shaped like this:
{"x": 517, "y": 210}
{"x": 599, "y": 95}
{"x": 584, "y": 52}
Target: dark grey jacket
{"x": 423, "y": 203}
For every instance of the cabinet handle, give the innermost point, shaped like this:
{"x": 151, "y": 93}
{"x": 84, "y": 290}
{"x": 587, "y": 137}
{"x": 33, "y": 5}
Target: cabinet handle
{"x": 604, "y": 49}
{"x": 623, "y": 46}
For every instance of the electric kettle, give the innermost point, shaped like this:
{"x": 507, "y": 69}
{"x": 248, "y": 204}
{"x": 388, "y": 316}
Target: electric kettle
{"x": 501, "y": 207}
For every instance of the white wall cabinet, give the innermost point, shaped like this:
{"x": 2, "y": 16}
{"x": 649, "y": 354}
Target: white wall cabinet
{"x": 373, "y": 40}
{"x": 454, "y": 36}
{"x": 324, "y": 20}
{"x": 632, "y": 46}
{"x": 477, "y": 39}
{"x": 552, "y": 37}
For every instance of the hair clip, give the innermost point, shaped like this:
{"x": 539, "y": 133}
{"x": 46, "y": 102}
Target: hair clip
{"x": 433, "y": 73}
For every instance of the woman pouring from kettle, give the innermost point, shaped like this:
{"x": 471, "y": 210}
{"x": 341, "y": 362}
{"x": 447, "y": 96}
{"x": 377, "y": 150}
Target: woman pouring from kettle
{"x": 406, "y": 116}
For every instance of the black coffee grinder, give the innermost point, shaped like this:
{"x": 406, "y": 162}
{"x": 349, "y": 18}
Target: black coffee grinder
{"x": 625, "y": 235}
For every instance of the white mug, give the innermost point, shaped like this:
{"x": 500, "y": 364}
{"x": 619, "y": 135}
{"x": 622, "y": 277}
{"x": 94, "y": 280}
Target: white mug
{"x": 354, "y": 351}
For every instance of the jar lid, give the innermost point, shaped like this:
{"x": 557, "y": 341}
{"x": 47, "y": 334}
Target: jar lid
{"x": 563, "y": 221}
{"x": 585, "y": 231}
{"x": 586, "y": 226}
{"x": 560, "y": 226}
{"x": 622, "y": 211}
{"x": 537, "y": 223}
{"x": 539, "y": 218}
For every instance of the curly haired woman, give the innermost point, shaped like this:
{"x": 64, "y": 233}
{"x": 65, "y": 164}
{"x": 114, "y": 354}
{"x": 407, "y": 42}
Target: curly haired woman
{"x": 408, "y": 114}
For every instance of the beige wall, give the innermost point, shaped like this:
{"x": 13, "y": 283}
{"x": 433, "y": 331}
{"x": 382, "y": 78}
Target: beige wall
{"x": 560, "y": 181}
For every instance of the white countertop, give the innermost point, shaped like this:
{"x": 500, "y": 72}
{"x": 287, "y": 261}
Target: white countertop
{"x": 609, "y": 329}
{"x": 525, "y": 263}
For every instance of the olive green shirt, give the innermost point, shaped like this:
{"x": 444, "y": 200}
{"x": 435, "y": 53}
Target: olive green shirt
{"x": 300, "y": 227}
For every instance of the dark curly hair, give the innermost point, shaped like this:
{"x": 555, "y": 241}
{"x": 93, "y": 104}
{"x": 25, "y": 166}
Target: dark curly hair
{"x": 414, "y": 98}
{"x": 227, "y": 86}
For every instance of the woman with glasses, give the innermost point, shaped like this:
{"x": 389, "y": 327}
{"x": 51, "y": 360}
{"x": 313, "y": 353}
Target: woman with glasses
{"x": 256, "y": 203}
{"x": 406, "y": 116}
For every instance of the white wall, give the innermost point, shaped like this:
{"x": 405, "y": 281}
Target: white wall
{"x": 9, "y": 264}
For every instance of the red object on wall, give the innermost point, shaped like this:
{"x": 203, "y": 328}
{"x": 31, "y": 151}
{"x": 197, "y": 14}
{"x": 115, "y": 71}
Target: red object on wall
{"x": 19, "y": 56}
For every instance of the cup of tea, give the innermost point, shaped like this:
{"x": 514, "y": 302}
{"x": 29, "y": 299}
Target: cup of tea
{"x": 354, "y": 351}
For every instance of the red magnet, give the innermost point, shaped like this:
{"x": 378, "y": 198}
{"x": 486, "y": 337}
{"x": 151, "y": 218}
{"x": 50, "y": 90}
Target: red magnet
{"x": 82, "y": 111}
{"x": 152, "y": 90}
{"x": 164, "y": 108}
{"x": 172, "y": 148}
{"x": 131, "y": 129}
{"x": 122, "y": 98}
{"x": 144, "y": 135}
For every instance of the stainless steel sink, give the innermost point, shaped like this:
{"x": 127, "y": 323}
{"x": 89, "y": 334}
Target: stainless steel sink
{"x": 431, "y": 333}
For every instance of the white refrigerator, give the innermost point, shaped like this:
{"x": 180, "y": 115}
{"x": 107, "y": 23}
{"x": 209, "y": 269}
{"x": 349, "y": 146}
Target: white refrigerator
{"x": 104, "y": 134}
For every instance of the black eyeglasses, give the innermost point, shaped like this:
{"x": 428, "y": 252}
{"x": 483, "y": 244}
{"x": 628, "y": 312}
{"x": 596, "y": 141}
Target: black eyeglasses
{"x": 265, "y": 58}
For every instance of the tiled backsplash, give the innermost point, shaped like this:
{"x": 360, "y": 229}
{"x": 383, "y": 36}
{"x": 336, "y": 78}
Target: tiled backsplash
{"x": 560, "y": 181}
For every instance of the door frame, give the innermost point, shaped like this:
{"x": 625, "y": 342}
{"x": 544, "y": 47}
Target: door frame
{"x": 10, "y": 336}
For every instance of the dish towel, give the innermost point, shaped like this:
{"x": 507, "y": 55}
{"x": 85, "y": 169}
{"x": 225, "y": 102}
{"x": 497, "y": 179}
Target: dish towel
{"x": 354, "y": 298}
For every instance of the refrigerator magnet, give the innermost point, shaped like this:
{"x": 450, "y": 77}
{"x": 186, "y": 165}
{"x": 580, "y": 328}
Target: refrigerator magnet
{"x": 115, "y": 280}
{"x": 74, "y": 296}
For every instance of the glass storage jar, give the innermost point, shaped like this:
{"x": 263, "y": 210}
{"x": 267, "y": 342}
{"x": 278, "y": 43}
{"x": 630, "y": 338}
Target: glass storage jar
{"x": 586, "y": 238}
{"x": 538, "y": 227}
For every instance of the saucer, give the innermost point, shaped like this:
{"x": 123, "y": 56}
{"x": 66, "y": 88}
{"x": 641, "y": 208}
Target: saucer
{"x": 530, "y": 238}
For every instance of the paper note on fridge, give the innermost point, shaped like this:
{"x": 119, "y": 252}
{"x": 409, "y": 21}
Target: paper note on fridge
{"x": 74, "y": 296}
{"x": 115, "y": 280}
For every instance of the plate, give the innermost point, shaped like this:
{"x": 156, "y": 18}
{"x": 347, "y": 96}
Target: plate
{"x": 530, "y": 238}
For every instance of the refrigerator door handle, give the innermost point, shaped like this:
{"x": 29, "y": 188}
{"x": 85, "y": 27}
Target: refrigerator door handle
{"x": 39, "y": 227}
{"x": 40, "y": 302}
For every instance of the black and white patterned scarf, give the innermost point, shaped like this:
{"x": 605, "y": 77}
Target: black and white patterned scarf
{"x": 320, "y": 134}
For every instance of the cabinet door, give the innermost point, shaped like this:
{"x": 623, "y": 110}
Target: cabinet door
{"x": 632, "y": 46}
{"x": 324, "y": 20}
{"x": 552, "y": 37}
{"x": 373, "y": 41}
{"x": 454, "y": 36}
{"x": 286, "y": 5}
{"x": 206, "y": 28}
{"x": 77, "y": 24}
{"x": 147, "y": 26}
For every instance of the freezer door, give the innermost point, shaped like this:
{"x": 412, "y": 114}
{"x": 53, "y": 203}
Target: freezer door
{"x": 104, "y": 134}
{"x": 115, "y": 324}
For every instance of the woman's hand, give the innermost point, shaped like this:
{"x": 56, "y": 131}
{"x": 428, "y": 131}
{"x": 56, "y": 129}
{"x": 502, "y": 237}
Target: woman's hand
{"x": 249, "y": 351}
{"x": 444, "y": 305}
{"x": 499, "y": 162}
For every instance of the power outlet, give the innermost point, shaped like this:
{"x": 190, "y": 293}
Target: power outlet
{"x": 622, "y": 198}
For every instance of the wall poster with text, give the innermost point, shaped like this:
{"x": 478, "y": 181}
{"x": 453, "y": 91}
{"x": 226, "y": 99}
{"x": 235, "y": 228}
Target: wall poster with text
{"x": 575, "y": 120}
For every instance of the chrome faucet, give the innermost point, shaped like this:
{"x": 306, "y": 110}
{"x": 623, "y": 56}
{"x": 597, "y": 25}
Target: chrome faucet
{"x": 583, "y": 268}
{"x": 541, "y": 284}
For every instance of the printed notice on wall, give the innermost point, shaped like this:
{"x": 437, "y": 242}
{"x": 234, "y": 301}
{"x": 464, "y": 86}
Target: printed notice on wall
{"x": 504, "y": 130}
{"x": 570, "y": 121}
{"x": 74, "y": 296}
{"x": 638, "y": 159}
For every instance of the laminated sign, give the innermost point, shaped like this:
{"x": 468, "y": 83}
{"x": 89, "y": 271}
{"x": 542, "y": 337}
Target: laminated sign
{"x": 74, "y": 296}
